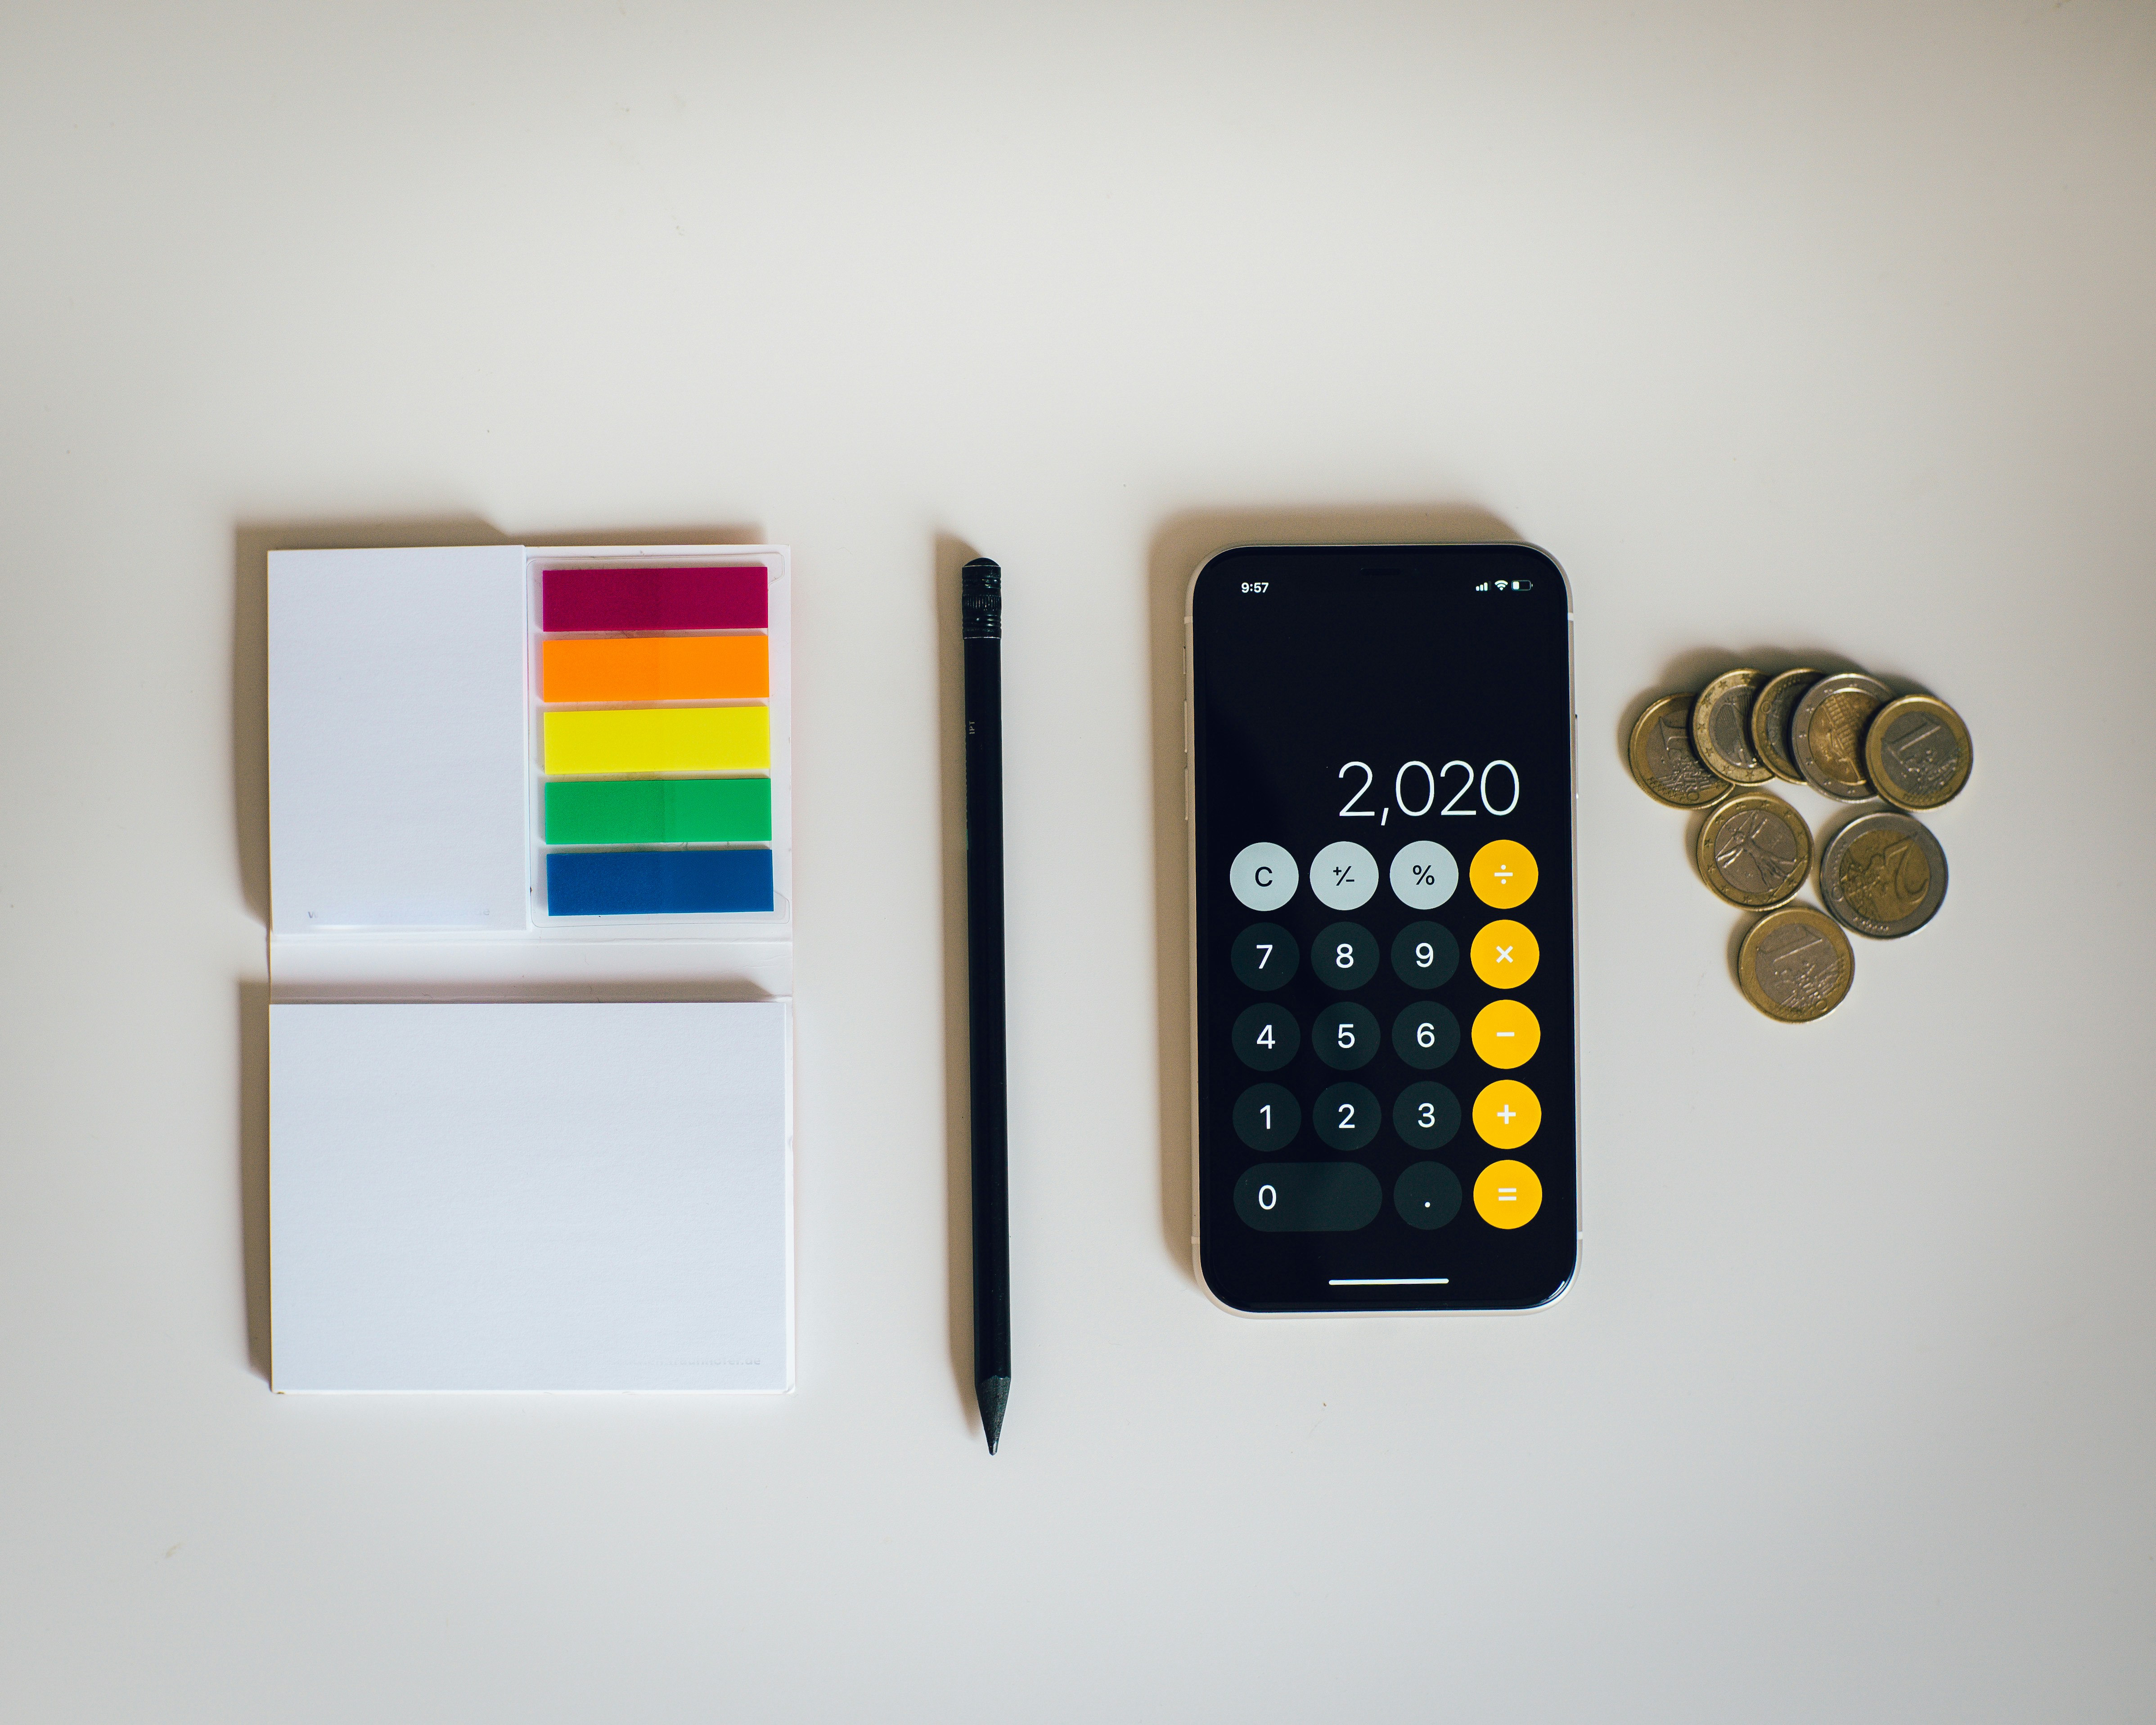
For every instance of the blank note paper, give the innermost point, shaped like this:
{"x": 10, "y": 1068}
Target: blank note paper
{"x": 590, "y": 1196}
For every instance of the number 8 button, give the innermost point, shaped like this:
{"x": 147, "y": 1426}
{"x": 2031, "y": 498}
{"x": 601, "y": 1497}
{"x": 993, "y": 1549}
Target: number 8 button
{"x": 1344, "y": 955}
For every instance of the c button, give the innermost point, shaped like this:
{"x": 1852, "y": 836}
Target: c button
{"x": 1504, "y": 954}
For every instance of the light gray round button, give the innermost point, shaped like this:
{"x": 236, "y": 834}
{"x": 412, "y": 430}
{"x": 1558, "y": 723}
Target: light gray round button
{"x": 1262, "y": 876}
{"x": 1343, "y": 876}
{"x": 1424, "y": 875}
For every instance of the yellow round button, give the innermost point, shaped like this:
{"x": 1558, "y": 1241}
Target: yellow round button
{"x": 1504, "y": 954}
{"x": 1507, "y": 1114}
{"x": 1505, "y": 1033}
{"x": 1503, "y": 875}
{"x": 1508, "y": 1194}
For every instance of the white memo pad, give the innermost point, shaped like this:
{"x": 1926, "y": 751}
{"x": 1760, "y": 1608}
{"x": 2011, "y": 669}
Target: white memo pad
{"x": 396, "y": 781}
{"x": 595, "y": 1196}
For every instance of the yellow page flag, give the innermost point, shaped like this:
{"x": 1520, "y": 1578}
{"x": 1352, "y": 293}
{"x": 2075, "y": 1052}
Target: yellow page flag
{"x": 667, "y": 739}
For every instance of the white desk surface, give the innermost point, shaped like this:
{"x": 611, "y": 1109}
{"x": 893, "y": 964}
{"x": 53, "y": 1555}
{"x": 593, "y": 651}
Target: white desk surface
{"x": 1823, "y": 329}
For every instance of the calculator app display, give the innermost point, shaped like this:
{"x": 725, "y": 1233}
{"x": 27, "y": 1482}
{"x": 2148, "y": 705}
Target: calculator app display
{"x": 1381, "y": 761}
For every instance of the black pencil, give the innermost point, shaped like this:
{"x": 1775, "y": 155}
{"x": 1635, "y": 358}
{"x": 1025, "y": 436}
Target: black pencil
{"x": 980, "y": 613}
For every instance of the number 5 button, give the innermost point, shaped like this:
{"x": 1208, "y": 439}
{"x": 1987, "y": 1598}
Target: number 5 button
{"x": 1504, "y": 954}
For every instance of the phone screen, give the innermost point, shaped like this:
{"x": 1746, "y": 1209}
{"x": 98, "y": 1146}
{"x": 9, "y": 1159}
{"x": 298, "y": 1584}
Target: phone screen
{"x": 1382, "y": 827}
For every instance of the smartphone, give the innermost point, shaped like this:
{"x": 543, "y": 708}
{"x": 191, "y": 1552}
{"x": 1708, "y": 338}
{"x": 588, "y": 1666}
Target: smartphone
{"x": 1380, "y": 800}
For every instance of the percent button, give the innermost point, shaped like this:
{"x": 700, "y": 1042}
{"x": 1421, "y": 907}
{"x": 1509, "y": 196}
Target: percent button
{"x": 1422, "y": 874}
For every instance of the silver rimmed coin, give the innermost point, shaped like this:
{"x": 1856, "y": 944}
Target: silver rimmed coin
{"x": 1722, "y": 727}
{"x": 1795, "y": 965}
{"x": 1826, "y": 733}
{"x": 1754, "y": 850}
{"x": 1663, "y": 759}
{"x": 1770, "y": 720}
{"x": 1884, "y": 875}
{"x": 1917, "y": 751}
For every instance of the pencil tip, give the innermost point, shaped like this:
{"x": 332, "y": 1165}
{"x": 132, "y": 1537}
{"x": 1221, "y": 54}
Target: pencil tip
{"x": 994, "y": 1394}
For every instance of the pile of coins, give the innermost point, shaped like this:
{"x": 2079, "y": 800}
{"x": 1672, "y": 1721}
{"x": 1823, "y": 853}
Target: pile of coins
{"x": 1851, "y": 738}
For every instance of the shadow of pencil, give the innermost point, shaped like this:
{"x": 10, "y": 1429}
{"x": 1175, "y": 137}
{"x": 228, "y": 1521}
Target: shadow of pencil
{"x": 1182, "y": 547}
{"x": 952, "y": 556}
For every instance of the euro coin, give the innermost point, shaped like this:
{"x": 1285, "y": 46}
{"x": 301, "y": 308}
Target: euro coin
{"x": 1826, "y": 733}
{"x": 1664, "y": 761}
{"x": 1884, "y": 875}
{"x": 1917, "y": 753}
{"x": 1795, "y": 965}
{"x": 1722, "y": 727}
{"x": 1770, "y": 720}
{"x": 1754, "y": 850}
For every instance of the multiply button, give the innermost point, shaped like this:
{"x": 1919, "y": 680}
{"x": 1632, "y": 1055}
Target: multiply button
{"x": 1508, "y": 1194}
{"x": 1507, "y": 1114}
{"x": 1504, "y": 954}
{"x": 1505, "y": 1033}
{"x": 1503, "y": 875}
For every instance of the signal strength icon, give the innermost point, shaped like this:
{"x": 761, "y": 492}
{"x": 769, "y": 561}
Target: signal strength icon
{"x": 1481, "y": 586}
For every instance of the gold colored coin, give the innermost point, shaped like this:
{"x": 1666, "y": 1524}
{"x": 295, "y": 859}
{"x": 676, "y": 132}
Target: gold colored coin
{"x": 1508, "y": 1194}
{"x": 1722, "y": 727}
{"x": 1503, "y": 874}
{"x": 1504, "y": 954}
{"x": 1663, "y": 759}
{"x": 1795, "y": 964}
{"x": 1770, "y": 720}
{"x": 1507, "y": 1114}
{"x": 1754, "y": 850}
{"x": 1505, "y": 1033}
{"x": 1826, "y": 733}
{"x": 1916, "y": 752}
{"x": 1883, "y": 874}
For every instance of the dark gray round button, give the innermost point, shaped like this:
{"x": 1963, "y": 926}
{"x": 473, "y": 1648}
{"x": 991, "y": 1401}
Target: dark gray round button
{"x": 1344, "y": 955}
{"x": 1425, "y": 955}
{"x": 1264, "y": 957}
{"x": 1427, "y": 1195}
{"x": 1266, "y": 1037}
{"x": 1426, "y": 1114}
{"x": 1308, "y": 1197}
{"x": 1345, "y": 1036}
{"x": 1345, "y": 1116}
{"x": 1267, "y": 1116}
{"x": 1426, "y": 1036}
